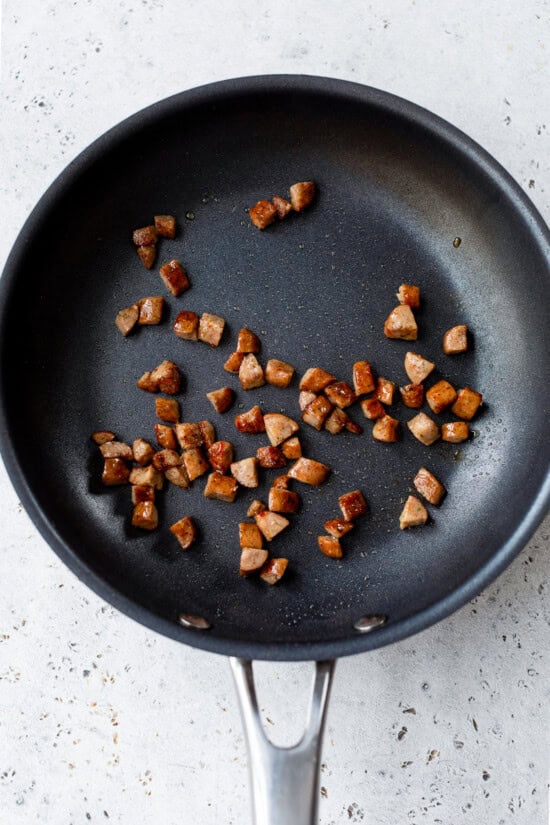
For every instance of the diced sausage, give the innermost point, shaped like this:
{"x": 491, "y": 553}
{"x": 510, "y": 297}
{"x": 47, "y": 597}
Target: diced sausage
{"x": 142, "y": 492}
{"x": 102, "y": 437}
{"x": 302, "y": 194}
{"x": 278, "y": 373}
{"x": 372, "y": 408}
{"x": 412, "y": 395}
{"x": 166, "y": 436}
{"x": 211, "y": 328}
{"x": 279, "y": 427}
{"x": 363, "y": 378}
{"x": 167, "y": 409}
{"x": 309, "y": 471}
{"x": 292, "y": 448}
{"x": 429, "y": 487}
{"x": 150, "y": 310}
{"x": 341, "y": 394}
{"x": 424, "y": 429}
{"x": 441, "y": 396}
{"x": 417, "y": 367}
{"x": 455, "y": 340}
{"x": 145, "y": 516}
{"x": 262, "y": 214}
{"x": 248, "y": 341}
{"x": 144, "y": 236}
{"x": 305, "y": 398}
{"x": 147, "y": 384}
{"x": 270, "y": 457}
{"x": 165, "y": 226}
{"x": 195, "y": 463}
{"x": 455, "y": 432}
{"x": 115, "y": 471}
{"x": 246, "y": 472}
{"x": 167, "y": 377}
{"x": 233, "y": 363}
{"x": 401, "y": 324}
{"x": 251, "y": 374}
{"x": 255, "y": 507}
{"x": 283, "y": 501}
{"x": 220, "y": 455}
{"x": 330, "y": 546}
{"x": 251, "y": 421}
{"x": 147, "y": 475}
{"x": 273, "y": 570}
{"x": 147, "y": 255}
{"x": 386, "y": 429}
{"x": 352, "y": 505}
{"x": 185, "y": 531}
{"x": 316, "y": 413}
{"x": 413, "y": 514}
{"x": 189, "y": 435}
{"x": 208, "y": 433}
{"x": 252, "y": 560}
{"x": 409, "y": 294}
{"x": 338, "y": 527}
{"x": 352, "y": 427}
{"x": 186, "y": 325}
{"x": 282, "y": 206}
{"x": 221, "y": 399}
{"x": 315, "y": 380}
{"x": 127, "y": 318}
{"x": 249, "y": 535}
{"x": 281, "y": 482}
{"x": 467, "y": 403}
{"x": 177, "y": 476}
{"x": 222, "y": 488}
{"x": 384, "y": 391}
{"x": 143, "y": 452}
{"x": 335, "y": 422}
{"x": 165, "y": 459}
{"x": 116, "y": 449}
{"x": 271, "y": 524}
{"x": 174, "y": 277}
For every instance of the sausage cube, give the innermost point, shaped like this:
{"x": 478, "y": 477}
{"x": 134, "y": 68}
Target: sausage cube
{"x": 145, "y": 516}
{"x": 292, "y": 448}
{"x": 246, "y": 471}
{"x": 167, "y": 409}
{"x": 186, "y": 325}
{"x": 165, "y": 226}
{"x": 145, "y": 236}
{"x": 282, "y": 206}
{"x": 255, "y": 507}
{"x": 222, "y": 488}
{"x": 429, "y": 487}
{"x": 150, "y": 310}
{"x": 220, "y": 455}
{"x": 143, "y": 452}
{"x": 102, "y": 437}
{"x": 316, "y": 379}
{"x": 417, "y": 367}
{"x": 165, "y": 459}
{"x": 336, "y": 421}
{"x": 352, "y": 505}
{"x": 251, "y": 374}
{"x": 208, "y": 433}
{"x": 147, "y": 475}
{"x": 384, "y": 391}
{"x": 363, "y": 378}
{"x": 174, "y": 277}
{"x": 221, "y": 399}
{"x": 262, "y": 214}
{"x": 467, "y": 403}
{"x": 279, "y": 427}
{"x": 115, "y": 471}
{"x": 142, "y": 492}
{"x": 147, "y": 255}
{"x": 341, "y": 394}
{"x": 409, "y": 294}
{"x": 251, "y": 421}
{"x": 413, "y": 514}
{"x": 167, "y": 376}
{"x": 441, "y": 396}
{"x": 386, "y": 429}
{"x": 189, "y": 435}
{"x": 248, "y": 341}
{"x": 316, "y": 413}
{"x": 305, "y": 398}
{"x": 233, "y": 363}
{"x": 281, "y": 482}
{"x": 127, "y": 318}
{"x": 249, "y": 535}
{"x": 252, "y": 560}
{"x": 278, "y": 373}
{"x": 338, "y": 527}
{"x": 147, "y": 384}
{"x": 271, "y": 524}
{"x": 455, "y": 340}
{"x": 309, "y": 471}
{"x": 195, "y": 463}
{"x": 401, "y": 323}
{"x": 270, "y": 457}
{"x": 211, "y": 328}
{"x": 412, "y": 395}
{"x": 283, "y": 501}
{"x": 116, "y": 449}
{"x": 273, "y": 570}
{"x": 372, "y": 408}
{"x": 185, "y": 531}
{"x": 302, "y": 194}
{"x": 455, "y": 432}
{"x": 330, "y": 546}
{"x": 424, "y": 429}
{"x": 177, "y": 476}
{"x": 166, "y": 436}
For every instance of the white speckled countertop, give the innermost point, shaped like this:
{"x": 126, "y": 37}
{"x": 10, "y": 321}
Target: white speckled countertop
{"x": 103, "y": 721}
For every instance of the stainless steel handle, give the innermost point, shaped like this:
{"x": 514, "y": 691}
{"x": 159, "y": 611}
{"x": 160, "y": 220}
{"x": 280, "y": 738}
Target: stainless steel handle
{"x": 285, "y": 781}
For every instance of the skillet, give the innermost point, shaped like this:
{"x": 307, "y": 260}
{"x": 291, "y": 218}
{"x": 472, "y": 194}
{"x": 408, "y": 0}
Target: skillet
{"x": 396, "y": 186}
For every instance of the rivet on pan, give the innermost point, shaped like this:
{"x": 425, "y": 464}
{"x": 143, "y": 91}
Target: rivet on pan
{"x": 187, "y": 620}
{"x": 367, "y": 623}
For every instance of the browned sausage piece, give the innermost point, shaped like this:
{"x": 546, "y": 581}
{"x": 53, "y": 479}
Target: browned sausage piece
{"x": 255, "y": 507}
{"x": 165, "y": 226}
{"x": 165, "y": 459}
{"x": 455, "y": 432}
{"x": 302, "y": 194}
{"x": 167, "y": 377}
{"x": 220, "y": 455}
{"x": 148, "y": 476}
{"x": 147, "y": 384}
{"x": 248, "y": 341}
{"x": 208, "y": 433}
{"x": 384, "y": 391}
{"x": 282, "y": 206}
{"x": 271, "y": 524}
{"x": 166, "y": 436}
{"x": 116, "y": 449}
{"x": 150, "y": 310}
{"x": 467, "y": 403}
{"x": 309, "y": 471}
{"x": 211, "y": 328}
{"x": 185, "y": 531}
{"x": 417, "y": 367}
{"x": 424, "y": 429}
{"x": 145, "y": 236}
{"x": 363, "y": 378}
{"x": 305, "y": 398}
{"x": 167, "y": 409}
{"x": 341, "y": 394}
{"x": 429, "y": 487}
{"x": 195, "y": 463}
{"x": 115, "y": 471}
{"x": 441, "y": 396}
{"x": 147, "y": 255}
{"x": 177, "y": 476}
{"x": 246, "y": 471}
{"x": 279, "y": 427}
{"x": 251, "y": 374}
{"x": 292, "y": 448}
{"x": 189, "y": 435}
{"x": 283, "y": 501}
{"x": 102, "y": 437}
{"x": 270, "y": 457}
{"x": 251, "y": 421}
{"x": 262, "y": 214}
{"x": 412, "y": 395}
{"x": 142, "y": 492}
{"x": 221, "y": 399}
{"x": 316, "y": 413}
{"x": 336, "y": 422}
{"x": 330, "y": 546}
{"x": 145, "y": 516}
{"x": 252, "y": 560}
{"x": 401, "y": 323}
{"x": 281, "y": 482}
{"x": 127, "y": 318}
{"x": 174, "y": 277}
{"x": 386, "y": 429}
{"x": 273, "y": 570}
{"x": 372, "y": 408}
{"x": 455, "y": 340}
{"x": 410, "y": 295}
{"x": 222, "y": 488}
{"x": 233, "y": 363}
{"x": 352, "y": 505}
{"x": 338, "y": 527}
{"x": 278, "y": 373}
{"x": 249, "y": 535}
{"x": 316, "y": 379}
{"x": 414, "y": 514}
{"x": 186, "y": 325}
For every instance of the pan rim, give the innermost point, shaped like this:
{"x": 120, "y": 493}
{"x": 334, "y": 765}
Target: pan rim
{"x": 210, "y": 93}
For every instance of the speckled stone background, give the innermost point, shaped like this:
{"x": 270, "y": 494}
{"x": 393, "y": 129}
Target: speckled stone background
{"x": 102, "y": 721}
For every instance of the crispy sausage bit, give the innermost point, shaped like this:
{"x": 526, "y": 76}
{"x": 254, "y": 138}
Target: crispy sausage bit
{"x": 102, "y": 437}
{"x": 189, "y": 435}
{"x": 221, "y": 399}
{"x": 424, "y": 429}
{"x": 270, "y": 457}
{"x": 185, "y": 531}
{"x": 220, "y": 455}
{"x": 271, "y": 524}
{"x": 167, "y": 377}
{"x": 385, "y": 390}
{"x": 177, "y": 476}
{"x": 283, "y": 501}
{"x": 363, "y": 379}
{"x": 282, "y": 206}
{"x": 292, "y": 448}
{"x": 279, "y": 427}
{"x": 143, "y": 452}
{"x": 429, "y": 487}
{"x": 145, "y": 516}
{"x": 211, "y": 328}
{"x": 115, "y": 471}
{"x": 116, "y": 449}
{"x": 147, "y": 475}
{"x": 165, "y": 459}
{"x": 145, "y": 236}
{"x": 467, "y": 403}
{"x": 249, "y": 535}
{"x": 336, "y": 421}
{"x": 401, "y": 323}
{"x": 352, "y": 427}
{"x": 302, "y": 194}
{"x": 409, "y": 294}
{"x": 455, "y": 340}
{"x": 341, "y": 394}
{"x": 309, "y": 471}
{"x": 305, "y": 398}
{"x": 455, "y": 432}
{"x": 166, "y": 436}
{"x": 127, "y": 318}
{"x": 255, "y": 507}
{"x": 246, "y": 471}
{"x": 248, "y": 341}
{"x": 147, "y": 255}
{"x": 273, "y": 570}
{"x": 330, "y": 546}
{"x": 186, "y": 325}
{"x": 167, "y": 409}
{"x": 222, "y": 488}
{"x": 315, "y": 379}
{"x": 252, "y": 560}
{"x": 142, "y": 492}
{"x": 413, "y": 514}
{"x": 195, "y": 463}
{"x": 386, "y": 429}
{"x": 412, "y": 395}
{"x": 165, "y": 226}
{"x": 208, "y": 433}
{"x": 352, "y": 505}
{"x": 147, "y": 384}
{"x": 372, "y": 408}
{"x": 174, "y": 277}
{"x": 251, "y": 374}
{"x": 251, "y": 421}
{"x": 316, "y": 413}
{"x": 441, "y": 396}
{"x": 233, "y": 363}
{"x": 278, "y": 373}
{"x": 338, "y": 527}
{"x": 150, "y": 310}
{"x": 281, "y": 482}
{"x": 417, "y": 368}
{"x": 262, "y": 214}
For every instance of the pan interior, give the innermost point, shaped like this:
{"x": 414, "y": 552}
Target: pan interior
{"x": 316, "y": 288}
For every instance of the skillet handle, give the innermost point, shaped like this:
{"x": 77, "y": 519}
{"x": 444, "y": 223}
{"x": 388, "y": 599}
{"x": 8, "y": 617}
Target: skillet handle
{"x": 285, "y": 781}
